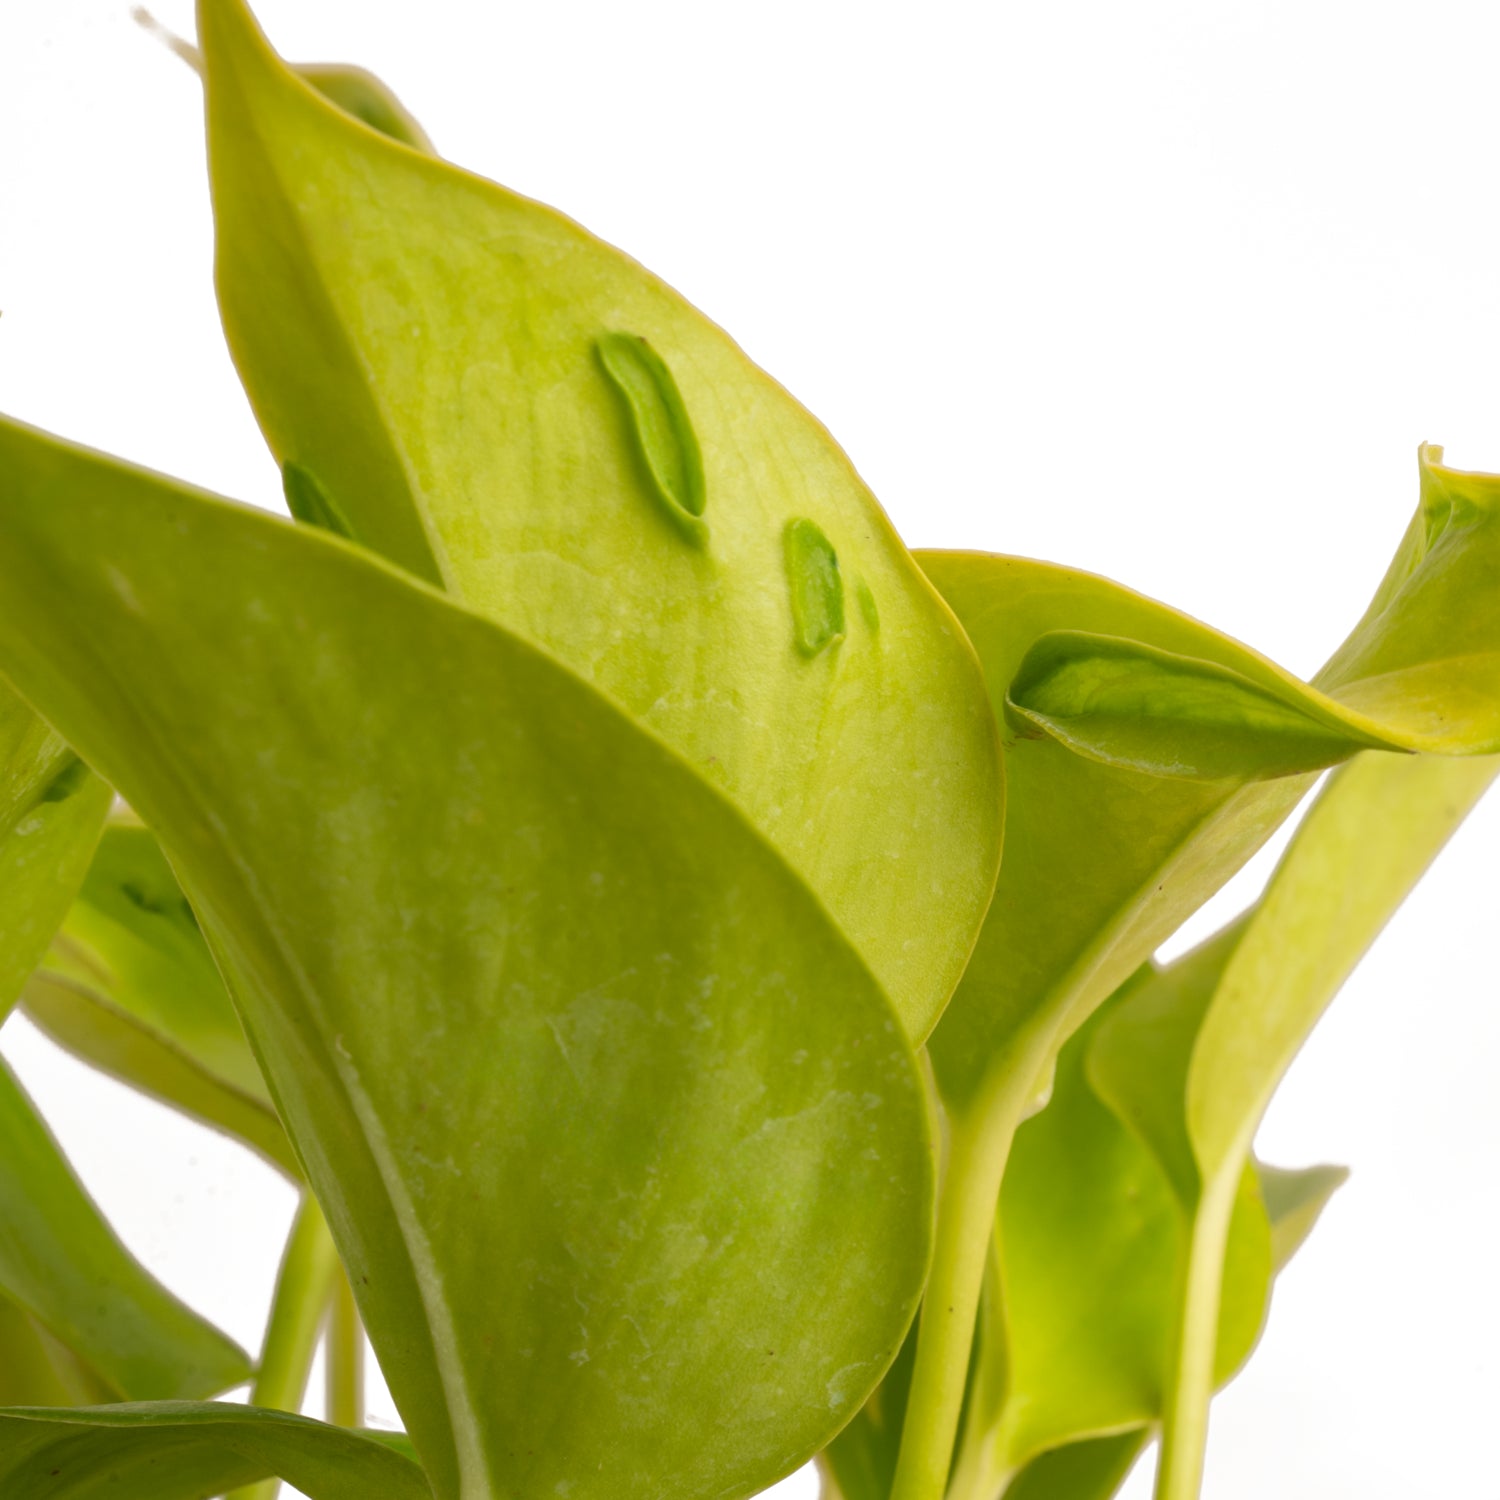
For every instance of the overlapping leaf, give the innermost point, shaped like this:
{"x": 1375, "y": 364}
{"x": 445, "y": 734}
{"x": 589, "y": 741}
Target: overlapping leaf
{"x": 62, "y": 1265}
{"x": 1214, "y": 1033}
{"x": 499, "y": 402}
{"x": 1091, "y": 1241}
{"x": 37, "y": 1369}
{"x": 1421, "y": 672}
{"x": 1108, "y": 850}
{"x": 1081, "y": 1306}
{"x": 192, "y": 1451}
{"x": 129, "y": 986}
{"x": 623, "y": 1147}
{"x": 51, "y": 809}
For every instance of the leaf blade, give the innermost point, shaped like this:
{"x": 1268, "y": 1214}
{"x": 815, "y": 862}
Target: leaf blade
{"x": 410, "y": 809}
{"x": 191, "y": 1451}
{"x": 463, "y": 323}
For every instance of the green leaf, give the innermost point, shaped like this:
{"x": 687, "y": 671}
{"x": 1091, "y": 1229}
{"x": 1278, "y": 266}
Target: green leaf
{"x": 1295, "y": 1200}
{"x": 1102, "y": 862}
{"x": 191, "y": 1451}
{"x": 623, "y": 1147}
{"x": 1419, "y": 673}
{"x": 1108, "y": 851}
{"x": 37, "y": 1369}
{"x": 1215, "y": 1032}
{"x": 454, "y": 364}
{"x": 1091, "y": 1247}
{"x": 1093, "y": 1470}
{"x": 1078, "y": 1317}
{"x": 1070, "y": 1359}
{"x": 130, "y": 987}
{"x": 51, "y": 809}
{"x": 369, "y": 100}
{"x": 61, "y": 1263}
{"x": 861, "y": 1461}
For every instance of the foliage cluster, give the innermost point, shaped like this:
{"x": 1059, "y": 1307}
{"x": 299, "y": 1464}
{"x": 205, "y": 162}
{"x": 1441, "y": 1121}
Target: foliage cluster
{"x": 571, "y": 851}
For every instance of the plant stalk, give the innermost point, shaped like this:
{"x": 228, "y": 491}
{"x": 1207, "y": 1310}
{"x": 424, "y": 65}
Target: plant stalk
{"x": 1190, "y": 1377}
{"x": 345, "y": 1356}
{"x": 303, "y": 1286}
{"x": 979, "y": 1145}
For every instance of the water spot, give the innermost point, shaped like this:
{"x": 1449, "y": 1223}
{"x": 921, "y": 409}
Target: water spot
{"x": 867, "y": 606}
{"x": 812, "y": 570}
{"x": 310, "y": 503}
{"x": 72, "y": 778}
{"x": 662, "y": 426}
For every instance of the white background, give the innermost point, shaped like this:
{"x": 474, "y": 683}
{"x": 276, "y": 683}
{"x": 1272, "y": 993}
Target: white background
{"x": 1166, "y": 290}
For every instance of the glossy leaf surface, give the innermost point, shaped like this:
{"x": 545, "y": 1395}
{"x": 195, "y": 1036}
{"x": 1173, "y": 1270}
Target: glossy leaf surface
{"x": 51, "y": 809}
{"x": 428, "y": 345}
{"x": 129, "y": 986}
{"x": 62, "y": 1264}
{"x": 622, "y": 1146}
{"x": 191, "y": 1451}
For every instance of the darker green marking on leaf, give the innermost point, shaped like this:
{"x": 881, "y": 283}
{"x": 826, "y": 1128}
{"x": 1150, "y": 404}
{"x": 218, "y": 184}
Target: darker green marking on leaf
{"x": 812, "y": 571}
{"x": 310, "y": 503}
{"x": 72, "y": 778}
{"x": 662, "y": 426}
{"x": 867, "y": 606}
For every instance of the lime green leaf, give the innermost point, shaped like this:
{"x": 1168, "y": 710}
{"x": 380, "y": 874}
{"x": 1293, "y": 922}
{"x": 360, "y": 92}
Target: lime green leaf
{"x": 452, "y": 362}
{"x": 1129, "y": 705}
{"x": 173, "y": 1450}
{"x": 1364, "y": 844}
{"x": 61, "y": 1263}
{"x": 1421, "y": 672}
{"x": 1295, "y": 1200}
{"x": 1102, "y": 862}
{"x": 1215, "y": 1032}
{"x": 354, "y": 90}
{"x": 130, "y": 987}
{"x": 861, "y": 1461}
{"x": 51, "y": 809}
{"x": 364, "y": 96}
{"x": 1092, "y": 1470}
{"x": 37, "y": 1369}
{"x": 614, "y": 1131}
{"x": 1078, "y": 1319}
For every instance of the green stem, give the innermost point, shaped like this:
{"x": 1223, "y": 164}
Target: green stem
{"x": 345, "y": 1356}
{"x": 1190, "y": 1377}
{"x": 982, "y": 1468}
{"x": 303, "y": 1286}
{"x": 978, "y": 1147}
